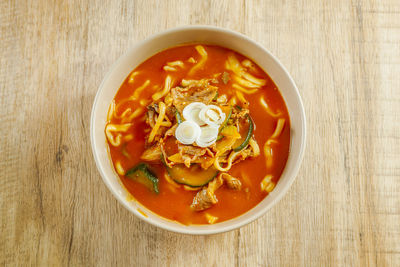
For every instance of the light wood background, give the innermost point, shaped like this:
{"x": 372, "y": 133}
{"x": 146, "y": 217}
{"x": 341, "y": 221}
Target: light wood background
{"x": 343, "y": 209}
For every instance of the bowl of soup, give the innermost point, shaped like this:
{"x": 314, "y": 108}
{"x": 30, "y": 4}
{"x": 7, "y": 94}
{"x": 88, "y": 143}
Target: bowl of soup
{"x": 198, "y": 130}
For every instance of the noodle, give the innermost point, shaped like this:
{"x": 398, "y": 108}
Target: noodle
{"x": 251, "y": 78}
{"x": 135, "y": 114}
{"x": 189, "y": 188}
{"x": 271, "y": 141}
{"x": 128, "y": 137}
{"x": 111, "y": 110}
{"x": 247, "y": 63}
{"x": 169, "y": 68}
{"x": 244, "y": 82}
{"x": 168, "y": 100}
{"x": 160, "y": 118}
{"x": 231, "y": 158}
{"x": 211, "y": 219}
{"x": 268, "y": 155}
{"x": 200, "y": 49}
{"x": 166, "y": 124}
{"x": 189, "y": 82}
{"x": 178, "y": 63}
{"x": 137, "y": 92}
{"x": 125, "y": 111}
{"x": 232, "y": 101}
{"x": 167, "y": 88}
{"x": 241, "y": 98}
{"x": 254, "y": 146}
{"x": 132, "y": 77}
{"x": 267, "y": 184}
{"x": 144, "y": 102}
{"x": 133, "y": 97}
{"x": 269, "y": 111}
{"x": 250, "y": 65}
{"x": 233, "y": 64}
{"x": 170, "y": 181}
{"x": 119, "y": 168}
{"x": 124, "y": 151}
{"x": 279, "y": 128}
{"x": 116, "y": 128}
{"x": 244, "y": 90}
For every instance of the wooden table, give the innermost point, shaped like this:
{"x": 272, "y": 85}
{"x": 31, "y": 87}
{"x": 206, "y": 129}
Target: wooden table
{"x": 343, "y": 209}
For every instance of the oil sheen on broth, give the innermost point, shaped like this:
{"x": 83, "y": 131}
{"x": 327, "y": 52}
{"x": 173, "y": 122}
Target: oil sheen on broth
{"x": 198, "y": 134}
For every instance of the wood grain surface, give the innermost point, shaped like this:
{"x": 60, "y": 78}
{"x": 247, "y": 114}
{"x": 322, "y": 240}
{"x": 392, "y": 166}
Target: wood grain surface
{"x": 343, "y": 209}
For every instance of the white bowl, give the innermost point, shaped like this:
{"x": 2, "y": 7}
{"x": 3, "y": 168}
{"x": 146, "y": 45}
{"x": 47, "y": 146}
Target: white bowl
{"x": 207, "y": 35}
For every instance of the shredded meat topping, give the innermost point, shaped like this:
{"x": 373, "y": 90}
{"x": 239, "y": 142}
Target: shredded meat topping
{"x": 196, "y": 91}
{"x": 231, "y": 182}
{"x": 152, "y": 153}
{"x": 193, "y": 154}
{"x": 190, "y": 153}
{"x": 205, "y": 198}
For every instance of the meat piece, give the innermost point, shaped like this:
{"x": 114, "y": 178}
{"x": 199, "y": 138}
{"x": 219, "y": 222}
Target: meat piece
{"x": 195, "y": 91}
{"x": 153, "y": 153}
{"x": 231, "y": 182}
{"x": 239, "y": 114}
{"x": 205, "y": 198}
{"x": 243, "y": 155}
{"x": 153, "y": 111}
{"x": 164, "y": 155}
{"x": 206, "y": 162}
{"x": 170, "y": 131}
{"x": 190, "y": 153}
{"x": 170, "y": 113}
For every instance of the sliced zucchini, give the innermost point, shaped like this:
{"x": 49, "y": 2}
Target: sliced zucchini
{"x": 178, "y": 117}
{"x": 228, "y": 116}
{"x": 194, "y": 176}
{"x": 142, "y": 174}
{"x": 220, "y": 137}
{"x": 216, "y": 96}
{"x": 248, "y": 135}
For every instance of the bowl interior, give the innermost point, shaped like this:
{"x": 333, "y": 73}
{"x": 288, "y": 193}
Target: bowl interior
{"x": 206, "y": 35}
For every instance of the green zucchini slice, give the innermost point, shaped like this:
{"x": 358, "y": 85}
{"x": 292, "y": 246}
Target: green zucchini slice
{"x": 194, "y": 176}
{"x": 228, "y": 116}
{"x": 248, "y": 135}
{"x": 142, "y": 174}
{"x": 178, "y": 117}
